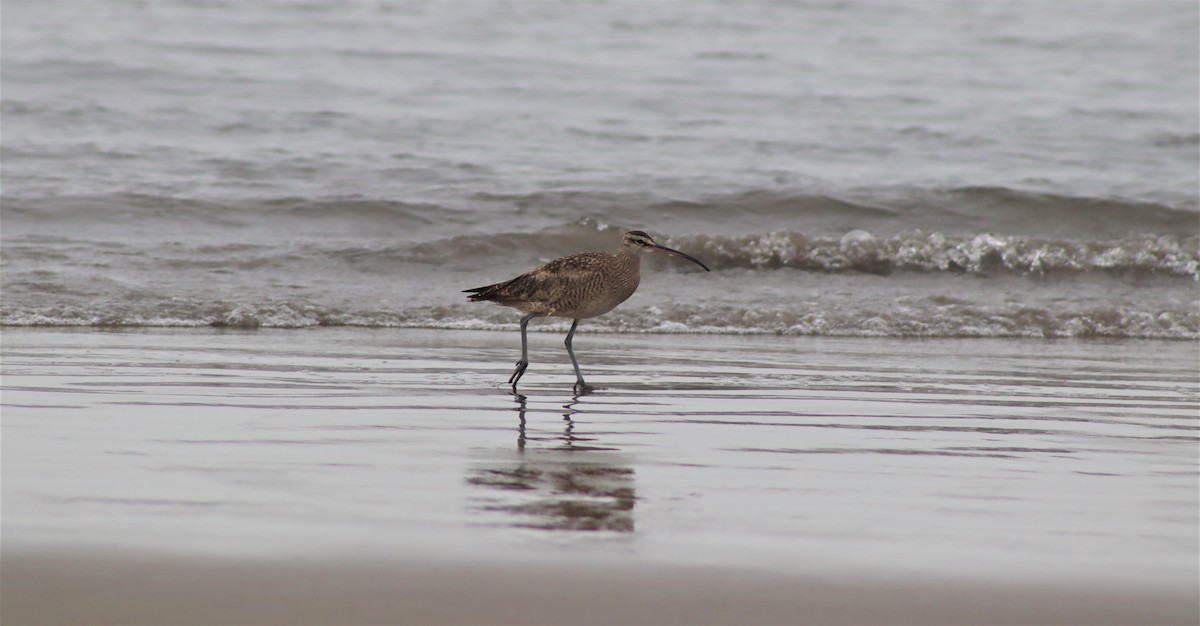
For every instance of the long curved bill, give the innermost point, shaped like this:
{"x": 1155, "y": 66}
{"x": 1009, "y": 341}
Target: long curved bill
{"x": 673, "y": 252}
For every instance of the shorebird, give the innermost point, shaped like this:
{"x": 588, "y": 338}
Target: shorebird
{"x": 579, "y": 286}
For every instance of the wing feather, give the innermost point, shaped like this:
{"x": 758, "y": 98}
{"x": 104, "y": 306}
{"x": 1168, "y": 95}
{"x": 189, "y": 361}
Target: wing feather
{"x": 556, "y": 286}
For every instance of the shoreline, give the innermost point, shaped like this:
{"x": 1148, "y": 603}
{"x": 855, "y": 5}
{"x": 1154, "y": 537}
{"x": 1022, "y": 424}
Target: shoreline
{"x": 139, "y": 587}
{"x": 560, "y": 325}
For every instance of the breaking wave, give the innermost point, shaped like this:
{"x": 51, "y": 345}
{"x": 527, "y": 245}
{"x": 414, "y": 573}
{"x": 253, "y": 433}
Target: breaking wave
{"x": 930, "y": 319}
{"x": 856, "y": 251}
{"x": 934, "y": 252}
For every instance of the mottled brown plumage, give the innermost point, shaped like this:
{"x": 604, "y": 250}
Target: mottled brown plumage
{"x": 579, "y": 286}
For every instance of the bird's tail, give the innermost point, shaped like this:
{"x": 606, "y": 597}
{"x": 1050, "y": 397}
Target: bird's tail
{"x": 479, "y": 293}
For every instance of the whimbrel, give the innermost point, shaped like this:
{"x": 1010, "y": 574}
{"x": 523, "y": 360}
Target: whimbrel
{"x": 578, "y": 286}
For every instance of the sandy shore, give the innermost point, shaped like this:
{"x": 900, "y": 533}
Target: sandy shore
{"x": 351, "y": 476}
{"x": 108, "y": 587}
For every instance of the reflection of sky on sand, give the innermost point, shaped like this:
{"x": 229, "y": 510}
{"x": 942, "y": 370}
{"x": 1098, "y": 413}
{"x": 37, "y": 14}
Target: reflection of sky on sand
{"x": 563, "y": 481}
{"x": 1058, "y": 461}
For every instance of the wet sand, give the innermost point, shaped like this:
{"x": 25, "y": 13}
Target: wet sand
{"x": 70, "y": 587}
{"x": 385, "y": 476}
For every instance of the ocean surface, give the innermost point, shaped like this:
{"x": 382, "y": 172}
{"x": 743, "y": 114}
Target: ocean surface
{"x": 931, "y": 169}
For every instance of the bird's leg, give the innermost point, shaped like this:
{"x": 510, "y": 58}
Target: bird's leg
{"x": 523, "y": 364}
{"x": 580, "y": 386}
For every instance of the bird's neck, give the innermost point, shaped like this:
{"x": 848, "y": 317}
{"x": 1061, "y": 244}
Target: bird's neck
{"x": 629, "y": 271}
{"x": 628, "y": 255}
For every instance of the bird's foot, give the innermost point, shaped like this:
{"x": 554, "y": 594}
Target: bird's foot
{"x": 582, "y": 387}
{"x": 518, "y": 373}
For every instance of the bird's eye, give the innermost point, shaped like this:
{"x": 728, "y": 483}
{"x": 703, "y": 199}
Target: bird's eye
{"x": 640, "y": 242}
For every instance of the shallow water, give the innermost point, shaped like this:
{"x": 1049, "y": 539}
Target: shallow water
{"x": 992, "y": 460}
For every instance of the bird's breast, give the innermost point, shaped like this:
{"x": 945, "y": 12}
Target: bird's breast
{"x": 605, "y": 301}
{"x": 600, "y": 293}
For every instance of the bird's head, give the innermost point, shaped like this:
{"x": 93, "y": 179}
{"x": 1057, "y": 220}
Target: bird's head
{"x": 640, "y": 242}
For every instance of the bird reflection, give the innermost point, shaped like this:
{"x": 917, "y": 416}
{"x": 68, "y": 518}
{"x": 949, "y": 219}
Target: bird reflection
{"x": 555, "y": 488}
{"x": 570, "y": 440}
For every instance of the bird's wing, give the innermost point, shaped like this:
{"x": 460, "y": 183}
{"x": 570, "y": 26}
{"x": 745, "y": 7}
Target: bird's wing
{"x": 552, "y": 285}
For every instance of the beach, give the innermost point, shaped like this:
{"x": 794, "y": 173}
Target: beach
{"x": 348, "y": 475}
{"x": 125, "y": 588}
{"x": 943, "y": 368}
